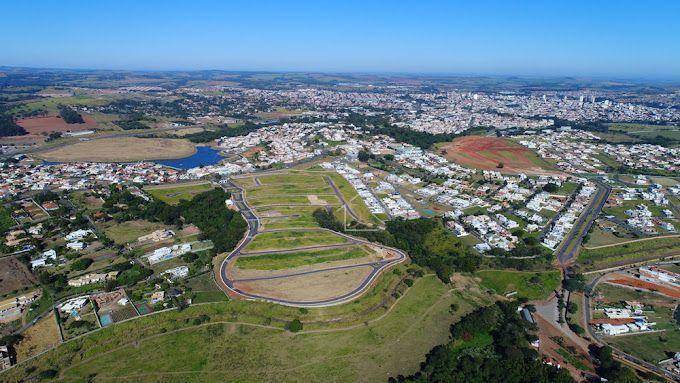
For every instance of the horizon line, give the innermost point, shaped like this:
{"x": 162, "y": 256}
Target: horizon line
{"x": 660, "y": 78}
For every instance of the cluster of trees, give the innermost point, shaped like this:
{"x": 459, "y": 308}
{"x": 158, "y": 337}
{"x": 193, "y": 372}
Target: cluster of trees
{"x": 611, "y": 369}
{"x": 131, "y": 124}
{"x": 426, "y": 240}
{"x": 124, "y": 206}
{"x": 8, "y": 127}
{"x": 422, "y": 140}
{"x": 381, "y": 125}
{"x": 223, "y": 131}
{"x": 207, "y": 211}
{"x": 490, "y": 344}
{"x": 70, "y": 116}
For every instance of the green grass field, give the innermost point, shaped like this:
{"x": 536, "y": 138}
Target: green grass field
{"x": 628, "y": 253}
{"x": 173, "y": 194}
{"x": 301, "y": 258}
{"x": 235, "y": 345}
{"x": 300, "y": 187}
{"x": 6, "y": 220}
{"x": 291, "y": 239}
{"x": 282, "y": 217}
{"x": 599, "y": 237}
{"x": 129, "y": 231}
{"x": 530, "y": 285}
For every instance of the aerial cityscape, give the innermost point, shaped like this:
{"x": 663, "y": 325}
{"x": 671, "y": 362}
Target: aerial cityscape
{"x": 312, "y": 193}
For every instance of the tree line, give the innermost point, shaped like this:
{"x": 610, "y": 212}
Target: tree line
{"x": 70, "y": 116}
{"x": 426, "y": 240}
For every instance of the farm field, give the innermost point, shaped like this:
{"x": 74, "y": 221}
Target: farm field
{"x": 173, "y": 193}
{"x": 611, "y": 256}
{"x": 120, "y": 149}
{"x": 646, "y": 131}
{"x": 488, "y": 153}
{"x": 235, "y": 345}
{"x": 530, "y": 285}
{"x": 292, "y": 239}
{"x": 40, "y": 125}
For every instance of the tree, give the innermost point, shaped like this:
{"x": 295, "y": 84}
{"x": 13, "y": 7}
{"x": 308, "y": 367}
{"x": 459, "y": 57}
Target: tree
{"x": 576, "y": 282}
{"x": 363, "y": 156}
{"x": 550, "y": 187}
{"x": 70, "y": 116}
{"x": 500, "y": 165}
{"x": 294, "y": 326}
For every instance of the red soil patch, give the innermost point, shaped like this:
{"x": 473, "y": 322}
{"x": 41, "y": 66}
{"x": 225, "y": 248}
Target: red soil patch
{"x": 669, "y": 291}
{"x": 39, "y": 125}
{"x": 487, "y": 153}
{"x": 612, "y": 321}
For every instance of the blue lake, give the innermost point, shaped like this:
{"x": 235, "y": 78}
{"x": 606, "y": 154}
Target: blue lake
{"x": 204, "y": 155}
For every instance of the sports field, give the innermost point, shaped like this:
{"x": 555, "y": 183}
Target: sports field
{"x": 120, "y": 149}
{"x": 370, "y": 340}
{"x": 173, "y": 193}
{"x": 495, "y": 153}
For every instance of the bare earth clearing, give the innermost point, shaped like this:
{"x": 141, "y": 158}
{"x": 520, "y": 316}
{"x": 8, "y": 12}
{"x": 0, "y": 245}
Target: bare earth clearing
{"x": 486, "y": 153}
{"x": 311, "y": 287}
{"x": 38, "y": 125}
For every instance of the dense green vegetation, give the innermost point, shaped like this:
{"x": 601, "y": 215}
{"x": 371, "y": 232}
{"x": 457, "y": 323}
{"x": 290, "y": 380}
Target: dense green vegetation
{"x": 223, "y": 131}
{"x": 6, "y": 220}
{"x": 222, "y": 226}
{"x": 206, "y": 210}
{"x": 131, "y": 124}
{"x": 70, "y": 116}
{"x": 426, "y": 241}
{"x": 611, "y": 369}
{"x": 8, "y": 127}
{"x": 490, "y": 344}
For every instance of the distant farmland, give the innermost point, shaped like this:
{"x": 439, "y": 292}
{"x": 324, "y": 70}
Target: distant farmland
{"x": 494, "y": 153}
{"x": 39, "y": 125}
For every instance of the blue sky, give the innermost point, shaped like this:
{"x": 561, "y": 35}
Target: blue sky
{"x": 614, "y": 38}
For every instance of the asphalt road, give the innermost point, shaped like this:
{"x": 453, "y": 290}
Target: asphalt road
{"x": 566, "y": 252}
{"x": 253, "y": 227}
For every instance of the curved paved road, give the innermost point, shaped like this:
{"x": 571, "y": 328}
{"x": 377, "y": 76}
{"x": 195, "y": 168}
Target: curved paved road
{"x": 253, "y": 227}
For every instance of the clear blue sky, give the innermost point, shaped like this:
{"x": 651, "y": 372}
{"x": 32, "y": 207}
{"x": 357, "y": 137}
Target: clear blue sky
{"x": 603, "y": 38}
